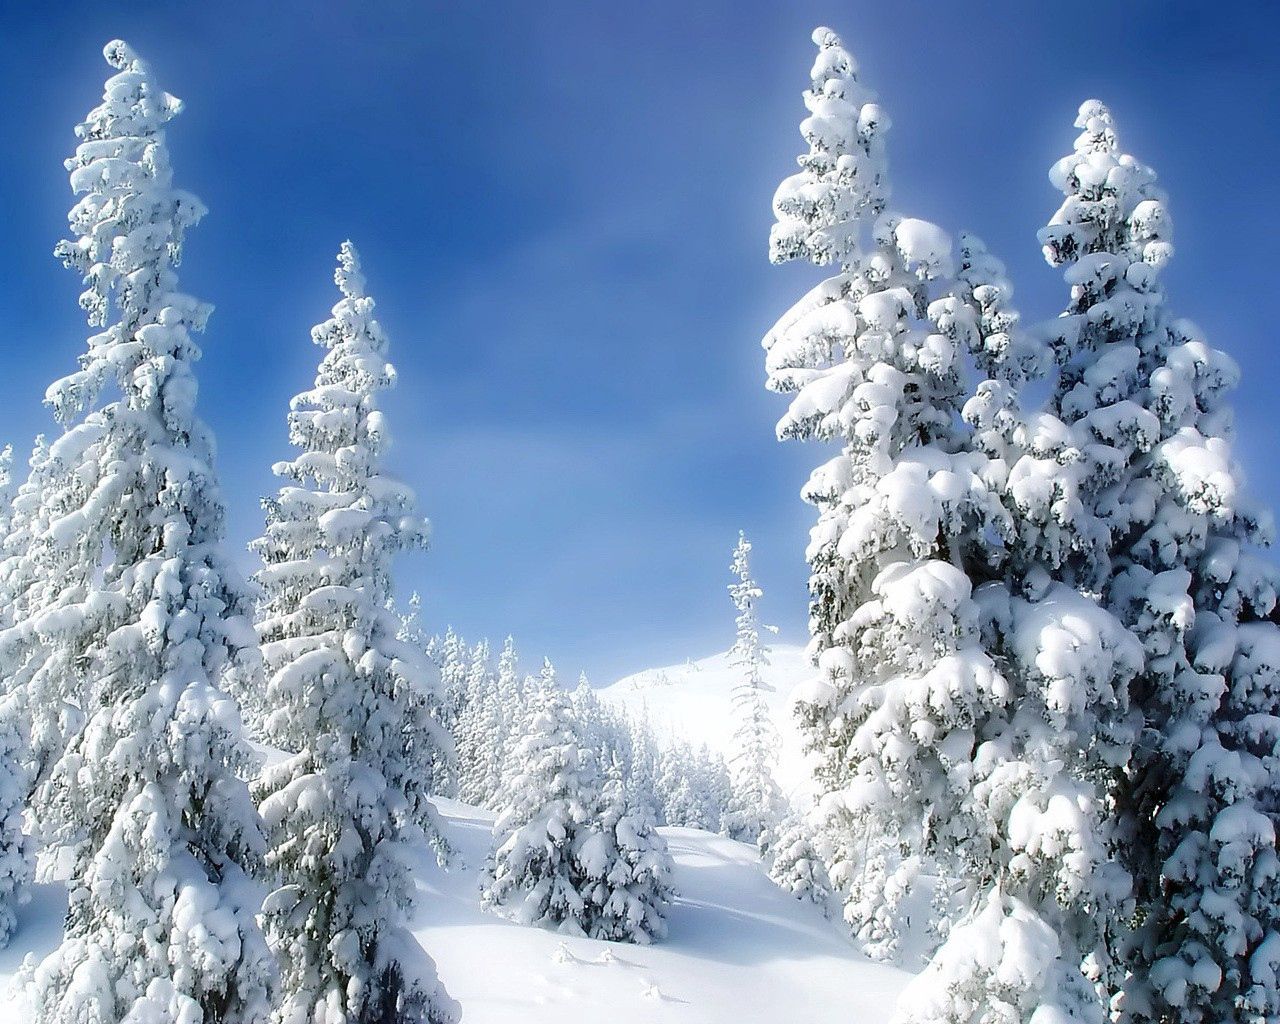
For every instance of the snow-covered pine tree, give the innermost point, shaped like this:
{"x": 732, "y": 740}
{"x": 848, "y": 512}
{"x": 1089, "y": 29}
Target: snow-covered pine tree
{"x": 1061, "y": 725}
{"x": 756, "y": 804}
{"x": 533, "y": 874}
{"x": 146, "y": 802}
{"x": 971, "y": 707}
{"x": 486, "y": 779}
{"x": 606, "y": 730}
{"x": 442, "y": 772}
{"x": 903, "y": 512}
{"x": 509, "y": 698}
{"x": 676, "y": 785}
{"x": 715, "y": 787}
{"x": 344, "y": 697}
{"x": 38, "y": 673}
{"x": 6, "y": 488}
{"x": 477, "y": 723}
{"x": 1200, "y": 796}
{"x": 626, "y": 867}
{"x": 451, "y": 656}
{"x": 586, "y": 705}
{"x": 15, "y": 863}
{"x": 798, "y": 866}
{"x": 15, "y": 849}
{"x": 692, "y": 785}
{"x": 641, "y": 779}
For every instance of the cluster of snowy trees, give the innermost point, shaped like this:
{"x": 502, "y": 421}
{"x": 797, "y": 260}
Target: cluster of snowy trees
{"x": 1049, "y": 662}
{"x": 574, "y": 849}
{"x": 488, "y": 707}
{"x": 1048, "y": 652}
{"x": 137, "y": 663}
{"x": 234, "y": 777}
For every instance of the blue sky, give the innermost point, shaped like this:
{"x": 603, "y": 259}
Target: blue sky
{"x": 563, "y": 212}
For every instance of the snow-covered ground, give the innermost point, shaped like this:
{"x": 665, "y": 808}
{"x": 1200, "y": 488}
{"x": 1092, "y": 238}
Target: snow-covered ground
{"x": 739, "y": 949}
{"x": 695, "y": 700}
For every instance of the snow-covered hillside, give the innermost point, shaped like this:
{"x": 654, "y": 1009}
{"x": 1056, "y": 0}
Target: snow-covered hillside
{"x": 695, "y": 701}
{"x": 738, "y": 950}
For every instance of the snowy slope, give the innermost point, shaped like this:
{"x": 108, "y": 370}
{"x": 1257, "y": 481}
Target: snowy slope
{"x": 739, "y": 949}
{"x": 695, "y": 701}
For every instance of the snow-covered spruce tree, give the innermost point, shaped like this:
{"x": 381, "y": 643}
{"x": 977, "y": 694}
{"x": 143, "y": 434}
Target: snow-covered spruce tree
{"x": 6, "y": 487}
{"x": 451, "y": 655}
{"x": 1033, "y": 923}
{"x": 343, "y": 697}
{"x": 146, "y": 803}
{"x": 606, "y": 729}
{"x": 15, "y": 848}
{"x": 509, "y": 701}
{"x": 533, "y": 874}
{"x": 716, "y": 787}
{"x": 756, "y": 804}
{"x": 37, "y": 672}
{"x": 798, "y": 866}
{"x": 476, "y": 720}
{"x": 674, "y": 783}
{"x": 1037, "y": 891}
{"x": 442, "y": 772}
{"x": 586, "y": 705}
{"x": 641, "y": 780}
{"x": 904, "y": 515}
{"x": 1200, "y": 797}
{"x": 485, "y": 778}
{"x": 971, "y": 708}
{"x": 627, "y": 868}
{"x": 692, "y": 786}
{"x": 15, "y": 864}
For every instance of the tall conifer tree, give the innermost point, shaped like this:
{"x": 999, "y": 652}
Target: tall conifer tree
{"x": 344, "y": 697}
{"x": 143, "y": 606}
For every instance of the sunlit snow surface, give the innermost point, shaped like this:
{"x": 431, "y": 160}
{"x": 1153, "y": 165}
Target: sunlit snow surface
{"x": 695, "y": 700}
{"x": 738, "y": 950}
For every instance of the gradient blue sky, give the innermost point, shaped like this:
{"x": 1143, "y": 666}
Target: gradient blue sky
{"x": 563, "y": 212}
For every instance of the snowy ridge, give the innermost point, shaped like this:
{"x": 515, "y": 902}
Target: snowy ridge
{"x": 694, "y": 701}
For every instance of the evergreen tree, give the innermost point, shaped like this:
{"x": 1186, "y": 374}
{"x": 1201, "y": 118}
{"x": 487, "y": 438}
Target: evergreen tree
{"x": 903, "y": 513}
{"x": 798, "y": 866}
{"x": 451, "y": 655}
{"x": 508, "y": 717}
{"x": 475, "y": 725}
{"x": 39, "y": 576}
{"x": 533, "y": 874}
{"x": 641, "y": 781}
{"x": 15, "y": 865}
{"x": 442, "y": 766}
{"x": 756, "y": 804}
{"x": 676, "y": 786}
{"x": 1199, "y": 797}
{"x": 712, "y": 789}
{"x": 607, "y": 735}
{"x": 693, "y": 786}
{"x": 344, "y": 697}
{"x": 141, "y": 604}
{"x": 972, "y": 704}
{"x": 6, "y": 488}
{"x": 1037, "y": 890}
{"x": 626, "y": 866}
{"x": 15, "y": 849}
